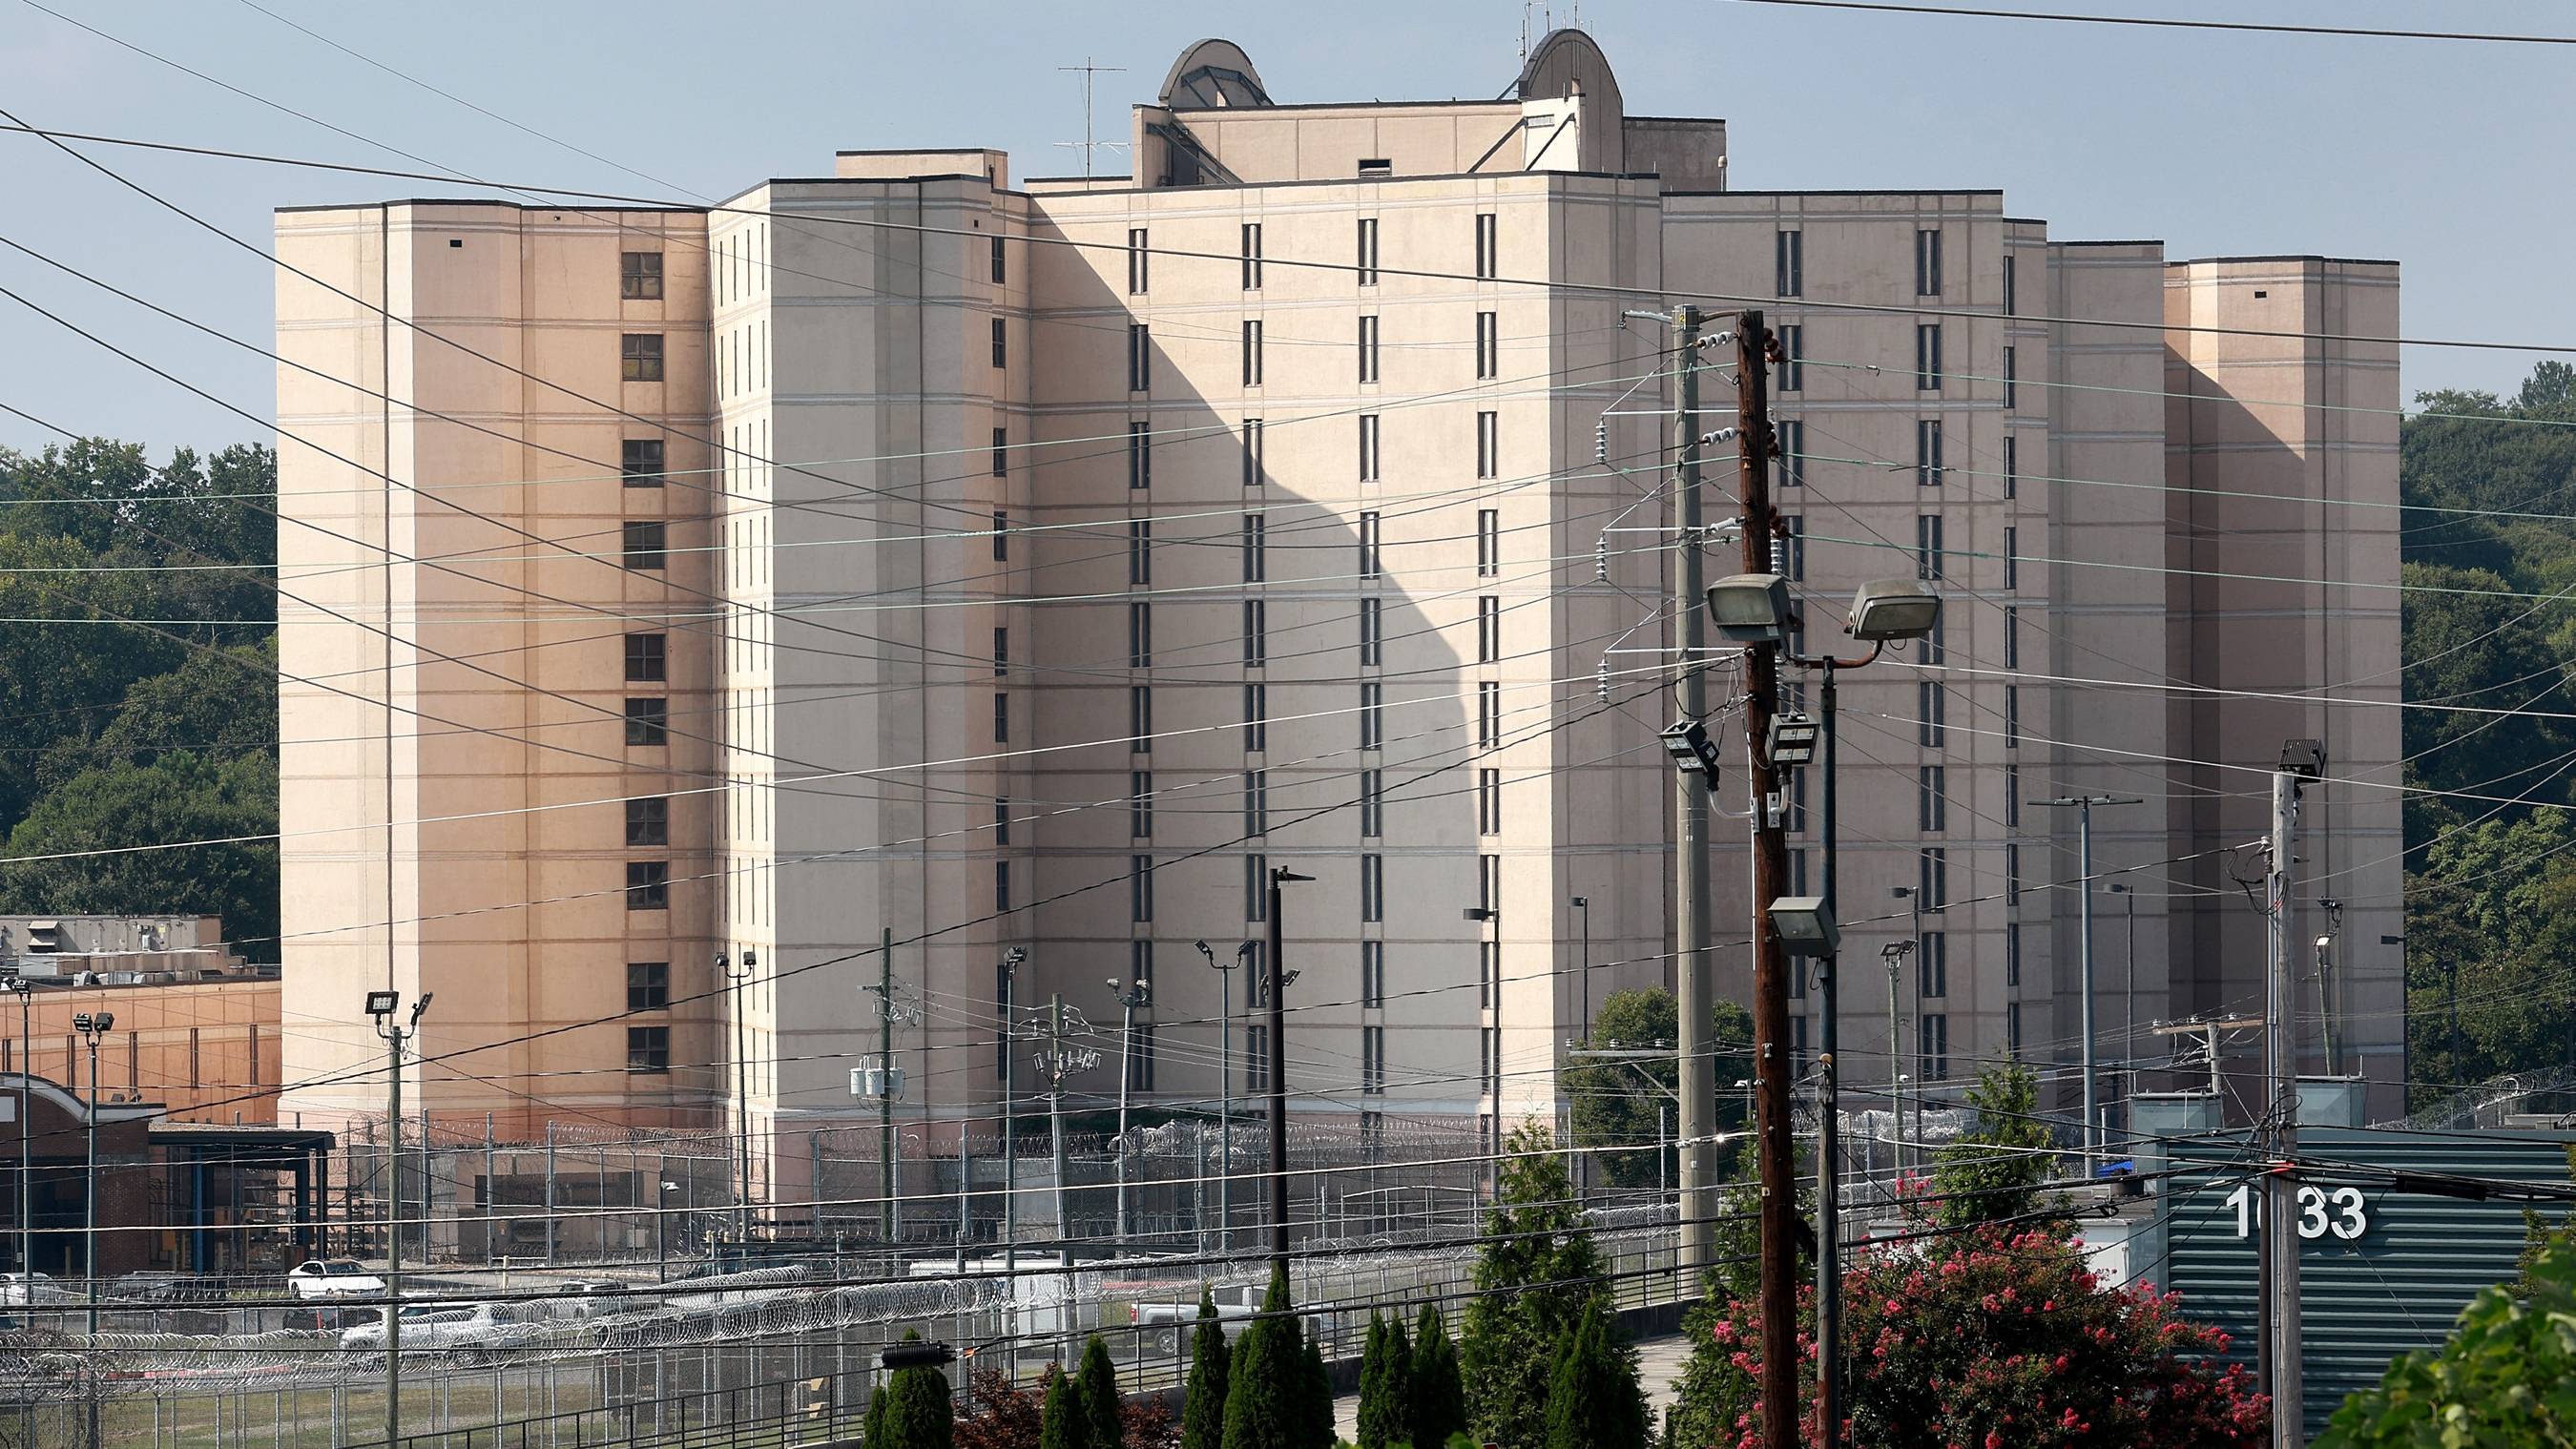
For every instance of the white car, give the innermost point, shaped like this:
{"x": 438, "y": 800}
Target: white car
{"x": 436, "y": 1325}
{"x": 26, "y": 1290}
{"x": 333, "y": 1278}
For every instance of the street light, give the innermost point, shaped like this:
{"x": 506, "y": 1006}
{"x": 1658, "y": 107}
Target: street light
{"x": 1583, "y": 1027}
{"x": 1883, "y": 612}
{"x": 381, "y": 1006}
{"x": 1890, "y": 611}
{"x": 1693, "y": 752}
{"x": 662, "y": 1226}
{"x": 91, "y": 1026}
{"x": 1805, "y": 925}
{"x": 1750, "y": 608}
{"x": 735, "y": 977}
{"x": 1130, "y": 996}
{"x": 1275, "y": 1068}
{"x": 1225, "y": 1086}
{"x": 25, "y": 991}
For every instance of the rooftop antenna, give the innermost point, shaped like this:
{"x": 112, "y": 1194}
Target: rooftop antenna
{"x": 1087, "y": 145}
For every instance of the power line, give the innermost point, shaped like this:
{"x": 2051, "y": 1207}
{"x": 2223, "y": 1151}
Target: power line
{"x": 2158, "y": 22}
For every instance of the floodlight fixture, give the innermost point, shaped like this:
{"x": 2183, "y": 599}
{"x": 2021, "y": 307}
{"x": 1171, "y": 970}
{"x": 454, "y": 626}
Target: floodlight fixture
{"x": 1750, "y": 608}
{"x": 1791, "y": 739}
{"x": 1693, "y": 752}
{"x": 1888, "y": 611}
{"x": 2304, "y": 758}
{"x": 381, "y": 1004}
{"x": 1805, "y": 925}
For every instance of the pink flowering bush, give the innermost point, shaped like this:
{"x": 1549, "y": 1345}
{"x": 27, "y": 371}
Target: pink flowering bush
{"x": 2000, "y": 1338}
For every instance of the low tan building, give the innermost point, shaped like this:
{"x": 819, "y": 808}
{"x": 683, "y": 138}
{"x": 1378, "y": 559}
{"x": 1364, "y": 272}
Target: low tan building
{"x": 911, "y": 553}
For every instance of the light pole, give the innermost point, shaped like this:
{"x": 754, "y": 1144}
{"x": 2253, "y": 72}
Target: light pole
{"x": 25, "y": 991}
{"x": 735, "y": 976}
{"x": 662, "y": 1226}
{"x": 1275, "y": 1073}
{"x": 1490, "y": 987}
{"x": 2083, "y": 805}
{"x": 1885, "y": 612}
{"x": 1225, "y": 1089}
{"x": 91, "y": 1027}
{"x": 1895, "y": 954}
{"x": 2128, "y": 992}
{"x": 381, "y": 1006}
{"x": 1130, "y": 996}
{"x": 1583, "y": 1025}
{"x": 1009, "y": 975}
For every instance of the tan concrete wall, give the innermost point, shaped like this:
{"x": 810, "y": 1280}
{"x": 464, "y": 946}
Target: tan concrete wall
{"x": 2289, "y": 445}
{"x": 491, "y": 683}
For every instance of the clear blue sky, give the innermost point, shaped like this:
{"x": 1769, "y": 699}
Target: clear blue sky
{"x": 2449, "y": 157}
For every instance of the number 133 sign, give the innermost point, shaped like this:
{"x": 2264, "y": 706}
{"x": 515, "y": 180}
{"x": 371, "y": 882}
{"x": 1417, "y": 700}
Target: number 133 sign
{"x": 2340, "y": 1211}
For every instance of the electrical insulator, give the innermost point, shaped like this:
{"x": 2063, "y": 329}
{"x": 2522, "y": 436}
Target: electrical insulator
{"x": 1601, "y": 559}
{"x": 1601, "y": 442}
{"x": 1602, "y": 685}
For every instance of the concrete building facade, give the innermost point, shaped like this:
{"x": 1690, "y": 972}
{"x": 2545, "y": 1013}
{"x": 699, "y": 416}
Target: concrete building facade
{"x": 1035, "y": 566}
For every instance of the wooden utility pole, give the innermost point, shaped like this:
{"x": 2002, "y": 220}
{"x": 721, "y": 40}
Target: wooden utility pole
{"x": 1773, "y": 1147}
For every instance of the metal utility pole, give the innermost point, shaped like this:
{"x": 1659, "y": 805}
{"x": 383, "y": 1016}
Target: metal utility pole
{"x": 1583, "y": 1032}
{"x": 1225, "y": 1089}
{"x": 1275, "y": 1071}
{"x": 2083, "y": 807}
{"x": 1829, "y": 1266}
{"x": 1773, "y": 1149}
{"x": 381, "y": 1005}
{"x": 2300, "y": 760}
{"x": 890, "y": 1217}
{"x": 1130, "y": 996}
{"x": 1056, "y": 1061}
{"x": 1692, "y": 909}
{"x": 91, "y": 1028}
{"x": 1010, "y": 972}
{"x": 25, "y": 991}
{"x": 735, "y": 975}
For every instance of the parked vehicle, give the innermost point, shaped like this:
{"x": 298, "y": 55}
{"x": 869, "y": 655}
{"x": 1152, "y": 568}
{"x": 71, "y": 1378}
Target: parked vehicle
{"x": 28, "y": 1290}
{"x": 427, "y": 1326}
{"x": 333, "y": 1278}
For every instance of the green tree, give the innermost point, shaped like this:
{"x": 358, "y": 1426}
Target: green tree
{"x": 1993, "y": 1171}
{"x": 1315, "y": 1425}
{"x": 1100, "y": 1397}
{"x": 1621, "y": 1104}
{"x": 2506, "y": 1379}
{"x": 872, "y": 1429}
{"x": 1439, "y": 1398}
{"x": 1533, "y": 1274}
{"x": 1595, "y": 1400}
{"x": 1266, "y": 1385}
{"x": 178, "y": 797}
{"x": 1372, "y": 1430}
{"x": 1066, "y": 1420}
{"x": 1203, "y": 1414}
{"x": 915, "y": 1411}
{"x": 1395, "y": 1382}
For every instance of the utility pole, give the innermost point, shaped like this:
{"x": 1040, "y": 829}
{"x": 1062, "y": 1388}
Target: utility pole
{"x": 889, "y": 1219}
{"x": 25, "y": 990}
{"x": 1130, "y": 996}
{"x": 2300, "y": 760}
{"x": 1583, "y": 1033}
{"x": 1056, "y": 1063}
{"x": 735, "y": 974}
{"x": 1773, "y": 1148}
{"x": 1225, "y": 1089}
{"x": 1275, "y": 1071}
{"x": 1692, "y": 909}
{"x": 2083, "y": 807}
{"x": 381, "y": 1005}
{"x": 1010, "y": 971}
{"x": 1829, "y": 1229}
{"x": 91, "y": 1027}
